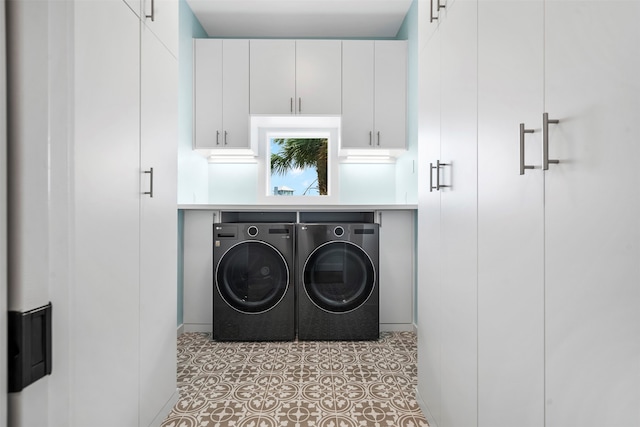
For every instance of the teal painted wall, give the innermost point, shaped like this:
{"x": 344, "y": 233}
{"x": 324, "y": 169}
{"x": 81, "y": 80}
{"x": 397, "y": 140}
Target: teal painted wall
{"x": 192, "y": 168}
{"x": 406, "y": 166}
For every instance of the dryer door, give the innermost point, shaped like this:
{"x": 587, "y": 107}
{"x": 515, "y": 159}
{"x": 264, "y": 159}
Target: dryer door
{"x": 339, "y": 277}
{"x": 252, "y": 277}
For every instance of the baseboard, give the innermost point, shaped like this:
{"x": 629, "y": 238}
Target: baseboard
{"x": 395, "y": 327}
{"x": 425, "y": 410}
{"x": 166, "y": 409}
{"x": 415, "y": 328}
{"x": 180, "y": 330}
{"x": 198, "y": 327}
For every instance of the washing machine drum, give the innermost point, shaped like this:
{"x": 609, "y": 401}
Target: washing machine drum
{"x": 339, "y": 277}
{"x": 252, "y": 277}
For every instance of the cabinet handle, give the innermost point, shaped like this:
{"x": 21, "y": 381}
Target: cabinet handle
{"x": 431, "y": 187}
{"x": 150, "y": 192}
{"x": 522, "y": 132}
{"x": 225, "y": 137}
{"x": 291, "y": 105}
{"x": 545, "y": 141}
{"x": 433, "y": 18}
{"x": 153, "y": 11}
{"x": 440, "y": 6}
{"x": 217, "y": 137}
{"x": 438, "y": 166}
{"x": 370, "y": 138}
{"x": 378, "y": 138}
{"x": 299, "y": 105}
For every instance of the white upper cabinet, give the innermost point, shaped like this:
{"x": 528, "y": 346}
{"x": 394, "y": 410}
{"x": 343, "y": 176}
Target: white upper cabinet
{"x": 221, "y": 94}
{"x": 295, "y": 77}
{"x": 374, "y": 94}
{"x": 318, "y": 76}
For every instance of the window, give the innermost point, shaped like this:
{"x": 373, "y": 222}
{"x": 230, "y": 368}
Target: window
{"x": 298, "y": 159}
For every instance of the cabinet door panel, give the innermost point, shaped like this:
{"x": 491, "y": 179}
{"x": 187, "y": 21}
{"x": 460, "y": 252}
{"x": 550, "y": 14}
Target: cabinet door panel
{"x": 272, "y": 76}
{"x": 357, "y": 93}
{"x": 390, "y": 99}
{"x": 458, "y": 141}
{"x": 207, "y": 93}
{"x": 592, "y": 229}
{"x": 510, "y": 216}
{"x": 428, "y": 316}
{"x": 106, "y": 204}
{"x": 318, "y": 76}
{"x": 158, "y": 227}
{"x": 235, "y": 93}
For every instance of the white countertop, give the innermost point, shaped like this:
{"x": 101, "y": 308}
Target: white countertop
{"x": 316, "y": 208}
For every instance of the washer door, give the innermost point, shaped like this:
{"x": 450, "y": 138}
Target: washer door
{"x": 339, "y": 277}
{"x": 252, "y": 277}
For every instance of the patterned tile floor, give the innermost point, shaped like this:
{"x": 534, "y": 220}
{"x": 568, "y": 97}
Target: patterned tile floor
{"x": 297, "y": 384}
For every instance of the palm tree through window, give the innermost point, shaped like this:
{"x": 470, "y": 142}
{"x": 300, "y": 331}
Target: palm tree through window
{"x": 299, "y": 166}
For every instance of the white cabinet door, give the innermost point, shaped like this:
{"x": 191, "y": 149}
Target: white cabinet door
{"x": 592, "y": 216}
{"x": 158, "y": 227}
{"x": 397, "y": 237}
{"x": 207, "y": 93}
{"x": 374, "y": 94}
{"x": 235, "y": 94}
{"x": 221, "y": 93}
{"x": 318, "y": 77}
{"x": 458, "y": 145}
{"x": 510, "y": 215}
{"x": 390, "y": 94}
{"x": 428, "y": 314}
{"x": 272, "y": 76}
{"x": 357, "y": 93}
{"x": 161, "y": 17}
{"x": 105, "y": 202}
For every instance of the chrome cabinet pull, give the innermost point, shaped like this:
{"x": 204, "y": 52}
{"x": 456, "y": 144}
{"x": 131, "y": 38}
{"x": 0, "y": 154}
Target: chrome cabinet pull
{"x": 370, "y": 138}
{"x": 522, "y": 132}
{"x": 153, "y": 12}
{"x": 545, "y": 141}
{"x": 217, "y": 137}
{"x": 225, "y": 137}
{"x": 437, "y": 167}
{"x": 150, "y": 192}
{"x": 291, "y": 105}
{"x": 433, "y": 18}
{"x": 378, "y": 138}
{"x": 299, "y": 105}
{"x": 431, "y": 187}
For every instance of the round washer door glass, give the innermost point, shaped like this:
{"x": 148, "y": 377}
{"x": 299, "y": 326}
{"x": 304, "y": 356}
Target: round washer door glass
{"x": 252, "y": 277}
{"x": 339, "y": 277}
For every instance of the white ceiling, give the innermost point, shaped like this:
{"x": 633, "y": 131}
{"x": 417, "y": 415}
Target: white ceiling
{"x": 301, "y": 18}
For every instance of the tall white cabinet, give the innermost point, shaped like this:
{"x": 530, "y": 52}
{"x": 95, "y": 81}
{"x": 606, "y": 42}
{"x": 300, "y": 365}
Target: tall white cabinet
{"x": 108, "y": 105}
{"x": 544, "y": 299}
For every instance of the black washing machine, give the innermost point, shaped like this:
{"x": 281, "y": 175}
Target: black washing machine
{"x": 253, "y": 296}
{"x": 337, "y": 281}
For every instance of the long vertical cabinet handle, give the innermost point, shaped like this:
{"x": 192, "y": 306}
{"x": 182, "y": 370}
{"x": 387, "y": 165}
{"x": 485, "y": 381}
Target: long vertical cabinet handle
{"x": 545, "y": 141}
{"x": 433, "y": 18}
{"x": 300, "y": 105}
{"x": 150, "y": 192}
{"x": 370, "y": 138}
{"x": 225, "y": 137}
{"x": 217, "y": 137}
{"x": 378, "y": 138}
{"x": 291, "y": 105}
{"x": 153, "y": 12}
{"x": 522, "y": 132}
{"x": 431, "y": 187}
